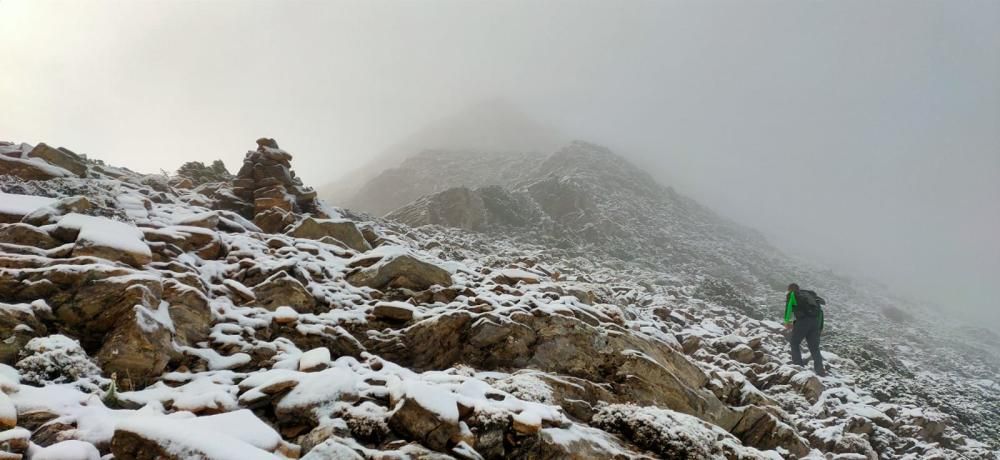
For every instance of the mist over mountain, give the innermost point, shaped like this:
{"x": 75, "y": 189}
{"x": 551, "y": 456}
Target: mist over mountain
{"x": 490, "y": 230}
{"x": 490, "y": 126}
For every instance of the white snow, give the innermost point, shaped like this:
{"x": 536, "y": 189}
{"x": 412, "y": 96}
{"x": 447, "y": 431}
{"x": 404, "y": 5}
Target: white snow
{"x": 22, "y": 204}
{"x": 286, "y": 314}
{"x": 315, "y": 358}
{"x": 519, "y": 274}
{"x": 184, "y": 438}
{"x": 105, "y": 232}
{"x": 8, "y": 411}
{"x": 67, "y": 450}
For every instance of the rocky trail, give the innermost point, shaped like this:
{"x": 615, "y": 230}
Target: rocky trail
{"x": 564, "y": 314}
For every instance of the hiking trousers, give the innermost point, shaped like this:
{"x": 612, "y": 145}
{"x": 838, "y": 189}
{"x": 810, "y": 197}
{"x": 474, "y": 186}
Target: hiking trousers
{"x": 807, "y": 328}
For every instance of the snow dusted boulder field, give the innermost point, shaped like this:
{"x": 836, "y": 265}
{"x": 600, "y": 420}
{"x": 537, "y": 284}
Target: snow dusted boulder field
{"x": 147, "y": 317}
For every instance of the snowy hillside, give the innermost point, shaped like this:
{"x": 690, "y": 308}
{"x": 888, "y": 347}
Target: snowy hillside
{"x": 152, "y": 317}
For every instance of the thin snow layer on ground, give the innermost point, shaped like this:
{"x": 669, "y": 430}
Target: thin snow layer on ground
{"x": 105, "y": 232}
{"x": 22, "y": 204}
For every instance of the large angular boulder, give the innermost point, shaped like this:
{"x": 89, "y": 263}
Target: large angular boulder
{"x": 201, "y": 241}
{"x": 60, "y": 157}
{"x": 236, "y": 434}
{"x": 15, "y": 207}
{"x": 106, "y": 239}
{"x": 138, "y": 350}
{"x": 342, "y": 230}
{"x": 18, "y": 325}
{"x": 33, "y": 169}
{"x": 283, "y": 290}
{"x": 400, "y": 270}
{"x": 760, "y": 429}
{"x": 26, "y": 235}
{"x": 671, "y": 434}
{"x": 423, "y": 413}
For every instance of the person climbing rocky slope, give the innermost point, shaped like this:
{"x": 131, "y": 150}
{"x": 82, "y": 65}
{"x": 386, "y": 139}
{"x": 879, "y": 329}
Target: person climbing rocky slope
{"x": 145, "y": 317}
{"x": 583, "y": 201}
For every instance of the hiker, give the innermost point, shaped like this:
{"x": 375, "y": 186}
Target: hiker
{"x": 807, "y": 324}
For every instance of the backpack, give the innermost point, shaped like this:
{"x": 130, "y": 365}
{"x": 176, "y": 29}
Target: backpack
{"x": 808, "y": 303}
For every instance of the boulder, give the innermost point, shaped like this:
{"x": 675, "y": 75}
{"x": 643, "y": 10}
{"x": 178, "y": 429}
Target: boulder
{"x": 273, "y": 220}
{"x": 742, "y": 353}
{"x": 18, "y": 325}
{"x": 809, "y": 385}
{"x": 60, "y": 157}
{"x": 58, "y": 208}
{"x": 30, "y": 169}
{"x": 344, "y": 231}
{"x": 8, "y": 413}
{"x": 237, "y": 434}
{"x": 189, "y": 311}
{"x": 283, "y": 290}
{"x": 526, "y": 424}
{"x": 760, "y": 429}
{"x": 15, "y": 443}
{"x": 135, "y": 258}
{"x": 107, "y": 239}
{"x": 14, "y": 207}
{"x": 285, "y": 315}
{"x": 314, "y": 360}
{"x": 137, "y": 350}
{"x": 658, "y": 430}
{"x": 514, "y": 276}
{"x": 393, "y": 311}
{"x": 414, "y": 420}
{"x": 403, "y": 271}
{"x": 26, "y": 235}
{"x": 201, "y": 241}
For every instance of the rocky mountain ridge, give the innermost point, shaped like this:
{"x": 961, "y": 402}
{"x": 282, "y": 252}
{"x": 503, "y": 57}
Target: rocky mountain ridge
{"x": 566, "y": 210}
{"x": 140, "y": 312}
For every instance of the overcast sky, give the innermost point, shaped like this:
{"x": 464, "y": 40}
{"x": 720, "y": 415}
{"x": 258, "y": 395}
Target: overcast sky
{"x": 863, "y": 134}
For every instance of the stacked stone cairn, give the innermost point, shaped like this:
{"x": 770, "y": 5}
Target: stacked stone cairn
{"x": 267, "y": 182}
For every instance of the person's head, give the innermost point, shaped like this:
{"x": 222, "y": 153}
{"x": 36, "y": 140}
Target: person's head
{"x": 793, "y": 287}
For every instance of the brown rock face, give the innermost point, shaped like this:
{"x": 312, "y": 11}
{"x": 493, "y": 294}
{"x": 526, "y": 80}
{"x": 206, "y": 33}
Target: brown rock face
{"x": 12, "y": 337}
{"x": 60, "y": 157}
{"x": 343, "y": 231}
{"x": 26, "y": 235}
{"x": 392, "y": 312}
{"x": 26, "y": 170}
{"x": 136, "y": 350}
{"x": 100, "y": 309}
{"x": 401, "y": 271}
{"x": 91, "y": 249}
{"x": 273, "y": 220}
{"x": 762, "y": 430}
{"x": 420, "y": 423}
{"x": 126, "y": 444}
{"x": 283, "y": 290}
